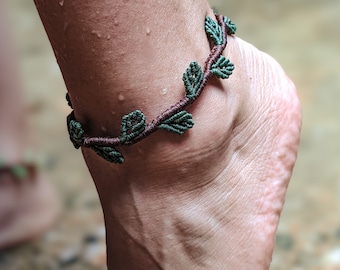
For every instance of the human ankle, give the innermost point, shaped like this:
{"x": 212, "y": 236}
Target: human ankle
{"x": 175, "y": 119}
{"x": 202, "y": 227}
{"x": 140, "y": 69}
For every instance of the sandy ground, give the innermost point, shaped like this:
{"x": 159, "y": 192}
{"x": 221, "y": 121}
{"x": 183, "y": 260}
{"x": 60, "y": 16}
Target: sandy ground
{"x": 304, "y": 36}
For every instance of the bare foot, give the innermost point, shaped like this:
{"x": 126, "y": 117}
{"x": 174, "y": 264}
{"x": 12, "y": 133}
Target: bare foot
{"x": 209, "y": 199}
{"x": 212, "y": 198}
{"x": 28, "y": 207}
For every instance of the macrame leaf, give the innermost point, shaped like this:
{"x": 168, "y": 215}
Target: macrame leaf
{"x": 223, "y": 68}
{"x": 20, "y": 171}
{"x": 108, "y": 153}
{"x": 178, "y": 123}
{"x": 76, "y": 133}
{"x": 214, "y": 30}
{"x": 193, "y": 78}
{"x": 68, "y": 99}
{"x": 231, "y": 26}
{"x": 132, "y": 125}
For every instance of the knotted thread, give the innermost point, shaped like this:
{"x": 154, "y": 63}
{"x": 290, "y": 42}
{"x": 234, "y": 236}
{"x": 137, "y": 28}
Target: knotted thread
{"x": 175, "y": 119}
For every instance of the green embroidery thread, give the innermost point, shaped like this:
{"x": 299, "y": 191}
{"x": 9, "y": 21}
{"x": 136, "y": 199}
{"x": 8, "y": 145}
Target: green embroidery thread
{"x": 175, "y": 119}
{"x": 109, "y": 153}
{"x": 178, "y": 123}
{"x": 133, "y": 124}
{"x": 193, "y": 78}
{"x": 223, "y": 68}
{"x": 213, "y": 29}
{"x": 75, "y": 131}
{"x": 230, "y": 25}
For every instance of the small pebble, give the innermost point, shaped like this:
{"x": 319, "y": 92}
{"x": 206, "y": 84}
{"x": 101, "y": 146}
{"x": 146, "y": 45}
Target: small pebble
{"x": 90, "y": 239}
{"x": 95, "y": 254}
{"x": 320, "y": 238}
{"x": 96, "y": 236}
{"x": 332, "y": 258}
{"x": 101, "y": 232}
{"x": 69, "y": 256}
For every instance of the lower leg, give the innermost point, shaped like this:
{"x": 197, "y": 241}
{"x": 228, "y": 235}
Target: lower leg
{"x": 13, "y": 131}
{"x": 28, "y": 204}
{"x": 209, "y": 198}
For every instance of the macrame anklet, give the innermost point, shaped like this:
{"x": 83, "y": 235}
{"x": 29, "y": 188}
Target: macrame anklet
{"x": 27, "y": 168}
{"x": 175, "y": 119}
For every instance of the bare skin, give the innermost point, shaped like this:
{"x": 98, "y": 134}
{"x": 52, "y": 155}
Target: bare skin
{"x": 10, "y": 95}
{"x": 28, "y": 206}
{"x": 210, "y": 199}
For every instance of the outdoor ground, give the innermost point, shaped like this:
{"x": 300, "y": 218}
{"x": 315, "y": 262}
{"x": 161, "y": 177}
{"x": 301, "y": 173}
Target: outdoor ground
{"x": 304, "y": 36}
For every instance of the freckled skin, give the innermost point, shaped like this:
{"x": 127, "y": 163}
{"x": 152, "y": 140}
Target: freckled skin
{"x": 209, "y": 199}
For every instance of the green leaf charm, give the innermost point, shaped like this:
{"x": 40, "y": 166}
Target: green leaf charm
{"x": 214, "y": 30}
{"x": 223, "y": 68}
{"x": 133, "y": 124}
{"x": 231, "y": 26}
{"x": 178, "y": 123}
{"x": 193, "y": 78}
{"x": 108, "y": 153}
{"x": 20, "y": 171}
{"x": 76, "y": 133}
{"x": 68, "y": 99}
{"x": 175, "y": 119}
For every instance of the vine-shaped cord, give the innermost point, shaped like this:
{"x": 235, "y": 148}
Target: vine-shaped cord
{"x": 175, "y": 119}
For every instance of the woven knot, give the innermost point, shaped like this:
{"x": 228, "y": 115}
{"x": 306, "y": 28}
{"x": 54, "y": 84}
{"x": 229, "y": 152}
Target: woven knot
{"x": 75, "y": 131}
